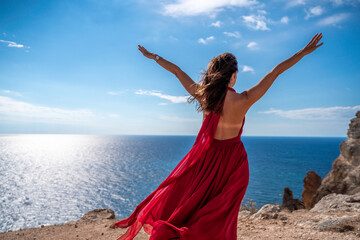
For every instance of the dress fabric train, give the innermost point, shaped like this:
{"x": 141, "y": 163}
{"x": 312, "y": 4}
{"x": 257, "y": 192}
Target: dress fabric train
{"x": 201, "y": 198}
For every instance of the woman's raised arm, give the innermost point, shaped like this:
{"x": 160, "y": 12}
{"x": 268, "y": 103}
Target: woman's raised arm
{"x": 185, "y": 80}
{"x": 255, "y": 93}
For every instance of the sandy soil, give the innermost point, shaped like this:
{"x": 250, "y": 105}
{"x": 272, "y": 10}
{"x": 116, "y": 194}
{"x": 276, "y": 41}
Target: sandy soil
{"x": 287, "y": 225}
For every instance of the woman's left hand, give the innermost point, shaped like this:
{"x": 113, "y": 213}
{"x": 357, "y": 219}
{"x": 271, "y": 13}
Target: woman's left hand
{"x": 146, "y": 53}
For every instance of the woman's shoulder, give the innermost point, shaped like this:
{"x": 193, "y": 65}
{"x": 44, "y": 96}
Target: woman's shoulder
{"x": 233, "y": 100}
{"x": 239, "y": 101}
{"x": 238, "y": 96}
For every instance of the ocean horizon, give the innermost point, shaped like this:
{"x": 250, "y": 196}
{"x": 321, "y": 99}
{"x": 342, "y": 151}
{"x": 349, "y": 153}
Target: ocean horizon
{"x": 54, "y": 178}
{"x": 164, "y": 135}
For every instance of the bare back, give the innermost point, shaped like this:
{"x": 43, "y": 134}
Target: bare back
{"x": 231, "y": 118}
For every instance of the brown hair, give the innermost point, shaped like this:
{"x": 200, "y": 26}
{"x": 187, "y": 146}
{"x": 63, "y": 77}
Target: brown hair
{"x": 214, "y": 82}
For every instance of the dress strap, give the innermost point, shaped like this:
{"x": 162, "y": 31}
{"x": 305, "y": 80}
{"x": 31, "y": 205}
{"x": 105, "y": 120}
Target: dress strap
{"x": 230, "y": 88}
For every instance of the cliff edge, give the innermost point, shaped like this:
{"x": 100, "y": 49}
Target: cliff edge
{"x": 344, "y": 176}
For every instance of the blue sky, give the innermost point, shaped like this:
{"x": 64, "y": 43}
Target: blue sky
{"x": 74, "y": 66}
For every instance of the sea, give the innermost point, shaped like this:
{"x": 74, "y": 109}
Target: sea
{"x": 56, "y": 178}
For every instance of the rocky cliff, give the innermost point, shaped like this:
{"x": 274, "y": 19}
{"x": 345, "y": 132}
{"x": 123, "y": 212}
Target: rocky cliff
{"x": 344, "y": 177}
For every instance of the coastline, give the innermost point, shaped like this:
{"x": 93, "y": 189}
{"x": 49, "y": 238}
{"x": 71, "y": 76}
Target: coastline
{"x": 329, "y": 209}
{"x": 270, "y": 222}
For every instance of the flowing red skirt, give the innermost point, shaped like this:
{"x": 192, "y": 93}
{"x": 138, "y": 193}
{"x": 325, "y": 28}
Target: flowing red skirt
{"x": 201, "y": 197}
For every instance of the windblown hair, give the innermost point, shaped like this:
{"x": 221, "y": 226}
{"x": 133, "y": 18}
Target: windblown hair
{"x": 214, "y": 82}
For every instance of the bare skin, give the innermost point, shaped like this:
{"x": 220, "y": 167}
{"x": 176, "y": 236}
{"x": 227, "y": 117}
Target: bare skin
{"x": 236, "y": 105}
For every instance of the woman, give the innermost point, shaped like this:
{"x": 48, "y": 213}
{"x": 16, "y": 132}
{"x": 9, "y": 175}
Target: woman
{"x": 201, "y": 197}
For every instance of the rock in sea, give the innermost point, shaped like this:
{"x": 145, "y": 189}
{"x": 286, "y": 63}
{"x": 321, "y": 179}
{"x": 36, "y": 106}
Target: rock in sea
{"x": 312, "y": 182}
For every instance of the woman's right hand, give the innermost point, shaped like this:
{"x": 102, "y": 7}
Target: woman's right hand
{"x": 311, "y": 46}
{"x": 146, "y": 53}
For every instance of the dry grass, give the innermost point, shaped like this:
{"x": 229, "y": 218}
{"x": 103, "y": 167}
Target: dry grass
{"x": 249, "y": 205}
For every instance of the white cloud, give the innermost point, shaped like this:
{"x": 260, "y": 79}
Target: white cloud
{"x": 115, "y": 92}
{"x": 247, "y": 69}
{"x": 332, "y": 20}
{"x": 27, "y": 111}
{"x": 216, "y": 24}
{"x": 256, "y": 22}
{"x": 201, "y": 7}
{"x": 233, "y": 34}
{"x": 205, "y": 41}
{"x": 252, "y": 45}
{"x": 12, "y": 44}
{"x": 11, "y": 92}
{"x": 329, "y": 113}
{"x": 314, "y": 11}
{"x": 294, "y": 3}
{"x": 173, "y": 38}
{"x": 173, "y": 99}
{"x": 337, "y": 3}
{"x": 178, "y": 119}
{"x": 285, "y": 20}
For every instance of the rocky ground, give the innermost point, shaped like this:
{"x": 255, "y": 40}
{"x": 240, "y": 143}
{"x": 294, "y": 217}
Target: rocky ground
{"x": 336, "y": 216}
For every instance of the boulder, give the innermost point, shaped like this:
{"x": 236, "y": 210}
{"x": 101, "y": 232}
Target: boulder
{"x": 338, "y": 203}
{"x": 312, "y": 182}
{"x": 344, "y": 176}
{"x": 289, "y": 202}
{"x": 244, "y": 213}
{"x": 268, "y": 211}
{"x": 98, "y": 215}
{"x": 337, "y": 224}
{"x": 332, "y": 223}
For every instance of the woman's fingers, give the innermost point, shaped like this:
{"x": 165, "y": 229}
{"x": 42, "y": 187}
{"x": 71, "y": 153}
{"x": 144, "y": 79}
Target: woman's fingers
{"x": 318, "y": 40}
{"x": 314, "y": 40}
{"x": 319, "y": 45}
{"x": 312, "y": 45}
{"x": 314, "y": 37}
{"x": 145, "y": 52}
{"x": 319, "y": 37}
{"x": 142, "y": 49}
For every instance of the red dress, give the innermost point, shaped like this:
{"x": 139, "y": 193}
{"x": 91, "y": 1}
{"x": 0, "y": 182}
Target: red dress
{"x": 200, "y": 199}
